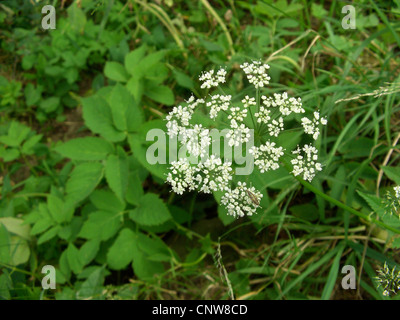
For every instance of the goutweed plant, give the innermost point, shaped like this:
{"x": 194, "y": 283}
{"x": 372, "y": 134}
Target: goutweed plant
{"x": 254, "y": 122}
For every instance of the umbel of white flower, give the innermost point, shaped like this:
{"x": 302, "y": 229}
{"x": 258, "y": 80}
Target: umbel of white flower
{"x": 268, "y": 115}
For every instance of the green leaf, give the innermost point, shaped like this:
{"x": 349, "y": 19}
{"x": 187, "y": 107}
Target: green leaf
{"x": 73, "y": 259}
{"x": 183, "y": 80}
{"x": 61, "y": 211}
{"x": 27, "y": 147}
{"x": 98, "y": 118}
{"x": 107, "y": 201}
{"x": 135, "y": 189}
{"x": 121, "y": 252}
{"x": 88, "y": 251}
{"x": 161, "y": 94}
{"x": 83, "y": 180}
{"x": 16, "y": 226}
{"x": 50, "y": 104}
{"x": 116, "y": 71}
{"x": 116, "y": 170}
{"x": 126, "y": 114}
{"x": 101, "y": 225}
{"x": 19, "y": 250}
{"x": 49, "y": 234}
{"x": 393, "y": 173}
{"x": 17, "y": 133}
{"x": 9, "y": 154}
{"x": 133, "y": 58}
{"x": 151, "y": 211}
{"x": 87, "y": 148}
{"x": 92, "y": 288}
{"x": 374, "y": 202}
{"x": 5, "y": 255}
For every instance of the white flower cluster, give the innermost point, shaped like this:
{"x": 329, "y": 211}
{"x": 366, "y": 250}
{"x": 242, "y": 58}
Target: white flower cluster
{"x": 267, "y": 156}
{"x": 306, "y": 164}
{"x": 212, "y": 80}
{"x": 311, "y": 126}
{"x": 178, "y": 119}
{"x": 236, "y": 115}
{"x": 286, "y": 105}
{"x": 242, "y": 200}
{"x": 268, "y": 115}
{"x": 208, "y": 176}
{"x": 256, "y": 73}
{"x": 238, "y": 135}
{"x": 218, "y": 103}
{"x": 197, "y": 140}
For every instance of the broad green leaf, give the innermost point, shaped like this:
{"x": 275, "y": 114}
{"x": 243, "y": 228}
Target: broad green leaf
{"x": 160, "y": 93}
{"x": 73, "y": 259}
{"x": 132, "y": 60}
{"x": 105, "y": 200}
{"x": 121, "y": 252}
{"x": 49, "y": 234}
{"x": 5, "y": 254}
{"x": 19, "y": 250}
{"x": 92, "y": 288}
{"x": 183, "y": 80}
{"x": 116, "y": 71}
{"x": 88, "y": 251}
{"x": 101, "y": 225}
{"x": 50, "y": 104}
{"x": 135, "y": 87}
{"x": 126, "y": 114}
{"x": 393, "y": 173}
{"x": 135, "y": 189}
{"x": 17, "y": 133}
{"x": 16, "y": 226}
{"x": 83, "y": 180}
{"x": 9, "y": 154}
{"x": 98, "y": 117}
{"x": 61, "y": 211}
{"x": 116, "y": 171}
{"x": 87, "y": 148}
{"x": 27, "y": 147}
{"x": 150, "y": 211}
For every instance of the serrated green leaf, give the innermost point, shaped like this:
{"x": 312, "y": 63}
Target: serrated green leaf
{"x": 116, "y": 71}
{"x": 393, "y": 173}
{"x": 160, "y": 93}
{"x": 133, "y": 58}
{"x": 88, "y": 251}
{"x": 116, "y": 171}
{"x": 73, "y": 259}
{"x": 98, "y": 117}
{"x": 101, "y": 225}
{"x": 121, "y": 252}
{"x": 87, "y": 148}
{"x": 107, "y": 201}
{"x": 150, "y": 211}
{"x": 83, "y": 180}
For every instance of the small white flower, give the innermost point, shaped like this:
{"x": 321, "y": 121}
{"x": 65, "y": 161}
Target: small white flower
{"x": 306, "y": 164}
{"x": 197, "y": 140}
{"x": 211, "y": 80}
{"x": 275, "y": 127}
{"x": 218, "y": 103}
{"x": 238, "y": 135}
{"x": 256, "y": 73}
{"x": 236, "y": 115}
{"x": 311, "y": 126}
{"x": 267, "y": 156}
{"x": 247, "y": 101}
{"x": 242, "y": 200}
